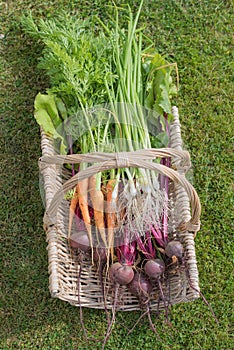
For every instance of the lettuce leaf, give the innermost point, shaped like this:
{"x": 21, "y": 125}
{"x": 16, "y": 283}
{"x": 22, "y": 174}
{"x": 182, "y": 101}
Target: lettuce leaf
{"x": 47, "y": 116}
{"x": 160, "y": 87}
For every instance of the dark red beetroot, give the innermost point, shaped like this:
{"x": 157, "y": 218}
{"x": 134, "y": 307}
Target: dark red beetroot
{"x": 174, "y": 248}
{"x": 154, "y": 268}
{"x": 112, "y": 270}
{"x": 122, "y": 274}
{"x": 140, "y": 286}
{"x": 80, "y": 240}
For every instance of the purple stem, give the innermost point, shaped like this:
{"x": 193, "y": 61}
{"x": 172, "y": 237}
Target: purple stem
{"x": 158, "y": 235}
{"x": 143, "y": 247}
{"x": 79, "y": 222}
{"x": 119, "y": 255}
{"x": 149, "y": 243}
{"x": 127, "y": 252}
{"x": 132, "y": 252}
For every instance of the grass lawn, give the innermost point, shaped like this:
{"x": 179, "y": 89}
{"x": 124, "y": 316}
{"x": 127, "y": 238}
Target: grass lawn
{"x": 198, "y": 35}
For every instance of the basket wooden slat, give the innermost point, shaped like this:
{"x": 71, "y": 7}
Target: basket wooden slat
{"x": 64, "y": 268}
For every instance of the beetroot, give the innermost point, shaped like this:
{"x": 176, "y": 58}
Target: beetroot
{"x": 112, "y": 270}
{"x": 174, "y": 248}
{"x": 140, "y": 286}
{"x": 122, "y": 274}
{"x": 154, "y": 268}
{"x": 80, "y": 240}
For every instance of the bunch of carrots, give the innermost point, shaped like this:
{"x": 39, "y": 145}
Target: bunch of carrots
{"x": 102, "y": 213}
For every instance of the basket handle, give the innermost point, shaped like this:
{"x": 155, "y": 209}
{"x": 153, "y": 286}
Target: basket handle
{"x": 123, "y": 160}
{"x": 182, "y": 158}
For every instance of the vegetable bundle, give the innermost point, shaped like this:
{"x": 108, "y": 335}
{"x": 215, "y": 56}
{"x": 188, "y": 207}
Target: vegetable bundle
{"x": 111, "y": 92}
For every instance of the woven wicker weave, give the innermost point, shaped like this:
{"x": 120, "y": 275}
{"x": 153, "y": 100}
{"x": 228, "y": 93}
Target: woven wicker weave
{"x": 64, "y": 268}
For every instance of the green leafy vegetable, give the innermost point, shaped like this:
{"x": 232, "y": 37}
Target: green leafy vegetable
{"x": 160, "y": 88}
{"x": 47, "y": 116}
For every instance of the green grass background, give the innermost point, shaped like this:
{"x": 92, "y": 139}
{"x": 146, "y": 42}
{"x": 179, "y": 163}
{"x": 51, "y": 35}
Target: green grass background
{"x": 198, "y": 35}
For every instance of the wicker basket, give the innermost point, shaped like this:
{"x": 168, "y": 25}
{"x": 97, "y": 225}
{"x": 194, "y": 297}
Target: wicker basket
{"x": 64, "y": 268}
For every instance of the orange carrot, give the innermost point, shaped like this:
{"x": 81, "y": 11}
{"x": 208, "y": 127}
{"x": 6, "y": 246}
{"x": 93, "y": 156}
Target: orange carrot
{"x": 111, "y": 216}
{"x": 97, "y": 198}
{"x": 82, "y": 190}
{"x": 81, "y": 196}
